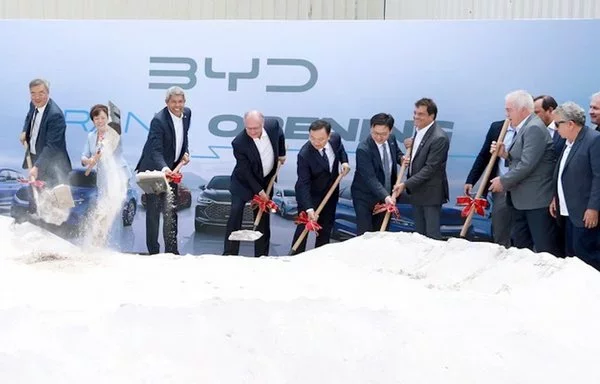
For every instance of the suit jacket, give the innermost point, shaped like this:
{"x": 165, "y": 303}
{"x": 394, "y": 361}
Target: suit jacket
{"x": 531, "y": 161}
{"x": 427, "y": 182}
{"x": 159, "y": 150}
{"x": 247, "y": 178}
{"x": 50, "y": 147}
{"x": 581, "y": 176}
{"x": 558, "y": 143}
{"x": 484, "y": 156}
{"x": 368, "y": 184}
{"x": 314, "y": 176}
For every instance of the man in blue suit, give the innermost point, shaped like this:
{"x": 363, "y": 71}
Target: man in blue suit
{"x": 44, "y": 133}
{"x": 577, "y": 183}
{"x": 256, "y": 149}
{"x": 377, "y": 159}
{"x": 166, "y": 146}
{"x": 318, "y": 167}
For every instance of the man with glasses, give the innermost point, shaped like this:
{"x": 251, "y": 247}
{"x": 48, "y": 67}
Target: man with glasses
{"x": 318, "y": 166}
{"x": 577, "y": 184}
{"x": 528, "y": 182}
{"x": 377, "y": 159}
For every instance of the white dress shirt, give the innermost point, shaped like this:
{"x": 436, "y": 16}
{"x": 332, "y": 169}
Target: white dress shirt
{"x": 552, "y": 129}
{"x": 561, "y": 193}
{"x": 418, "y": 138}
{"x": 330, "y": 155}
{"x": 35, "y": 129}
{"x": 178, "y": 125}
{"x": 265, "y": 150}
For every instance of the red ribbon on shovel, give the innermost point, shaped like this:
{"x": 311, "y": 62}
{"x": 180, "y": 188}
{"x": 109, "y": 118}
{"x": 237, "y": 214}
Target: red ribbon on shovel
{"x": 480, "y": 205}
{"x": 385, "y": 207}
{"x": 35, "y": 183}
{"x": 175, "y": 178}
{"x": 310, "y": 225}
{"x": 263, "y": 205}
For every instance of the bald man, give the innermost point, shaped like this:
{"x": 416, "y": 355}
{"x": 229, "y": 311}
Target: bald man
{"x": 256, "y": 149}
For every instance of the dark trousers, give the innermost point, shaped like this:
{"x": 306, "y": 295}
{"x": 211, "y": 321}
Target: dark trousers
{"x": 427, "y": 220}
{"x": 582, "y": 242}
{"x": 501, "y": 219}
{"x": 326, "y": 219}
{"x": 155, "y": 205}
{"x": 365, "y": 220}
{"x": 535, "y": 229}
{"x": 234, "y": 223}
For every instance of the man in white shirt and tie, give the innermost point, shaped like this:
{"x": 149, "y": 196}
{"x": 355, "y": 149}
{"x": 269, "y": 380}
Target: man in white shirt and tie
{"x": 44, "y": 135}
{"x": 166, "y": 146}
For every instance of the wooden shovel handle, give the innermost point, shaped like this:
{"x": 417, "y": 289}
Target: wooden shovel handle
{"x": 485, "y": 177}
{"x": 386, "y": 219}
{"x": 268, "y": 192}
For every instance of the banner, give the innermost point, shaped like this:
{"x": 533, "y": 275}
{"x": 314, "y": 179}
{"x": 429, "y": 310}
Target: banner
{"x": 345, "y": 71}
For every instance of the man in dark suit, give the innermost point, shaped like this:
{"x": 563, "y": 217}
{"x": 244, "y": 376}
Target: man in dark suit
{"x": 256, "y": 149}
{"x": 577, "y": 184}
{"x": 427, "y": 182}
{"x": 318, "y": 167}
{"x": 501, "y": 213}
{"x": 528, "y": 181}
{"x": 166, "y": 146}
{"x": 595, "y": 110}
{"x": 376, "y": 172}
{"x": 44, "y": 133}
{"x": 543, "y": 106}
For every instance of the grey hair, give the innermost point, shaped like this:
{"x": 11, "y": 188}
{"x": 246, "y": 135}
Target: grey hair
{"x": 254, "y": 112}
{"x": 595, "y": 95}
{"x": 521, "y": 99}
{"x": 571, "y": 112}
{"x": 174, "y": 91}
{"x": 37, "y": 82}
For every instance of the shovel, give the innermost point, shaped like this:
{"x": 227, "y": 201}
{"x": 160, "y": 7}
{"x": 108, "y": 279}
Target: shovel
{"x": 318, "y": 211}
{"x": 386, "y": 219}
{"x": 156, "y": 182}
{"x": 107, "y": 143}
{"x": 59, "y": 196}
{"x": 253, "y": 235}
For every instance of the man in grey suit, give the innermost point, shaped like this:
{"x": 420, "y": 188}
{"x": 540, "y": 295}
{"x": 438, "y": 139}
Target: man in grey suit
{"x": 427, "y": 182}
{"x": 528, "y": 182}
{"x": 577, "y": 183}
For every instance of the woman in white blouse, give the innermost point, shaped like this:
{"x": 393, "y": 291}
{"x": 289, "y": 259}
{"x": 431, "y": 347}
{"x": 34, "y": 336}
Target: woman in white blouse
{"x": 103, "y": 151}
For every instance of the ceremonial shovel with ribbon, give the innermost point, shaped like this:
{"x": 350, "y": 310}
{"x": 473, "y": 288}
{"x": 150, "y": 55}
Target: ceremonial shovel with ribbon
{"x": 263, "y": 206}
{"x": 478, "y": 204}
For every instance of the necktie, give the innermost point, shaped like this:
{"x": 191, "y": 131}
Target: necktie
{"x": 35, "y": 113}
{"x": 386, "y": 169}
{"x": 510, "y": 143}
{"x": 326, "y": 158}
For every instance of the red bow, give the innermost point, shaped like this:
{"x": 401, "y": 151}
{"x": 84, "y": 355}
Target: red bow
{"x": 175, "y": 178}
{"x": 480, "y": 204}
{"x": 263, "y": 205}
{"x": 310, "y": 225}
{"x": 35, "y": 183}
{"x": 385, "y": 207}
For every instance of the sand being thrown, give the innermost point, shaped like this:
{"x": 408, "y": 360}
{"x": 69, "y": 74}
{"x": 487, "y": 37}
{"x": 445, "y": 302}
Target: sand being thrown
{"x": 111, "y": 182}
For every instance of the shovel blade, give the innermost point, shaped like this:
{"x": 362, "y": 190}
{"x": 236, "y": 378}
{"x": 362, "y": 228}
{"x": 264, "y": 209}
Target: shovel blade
{"x": 62, "y": 195}
{"x": 245, "y": 235}
{"x": 152, "y": 182}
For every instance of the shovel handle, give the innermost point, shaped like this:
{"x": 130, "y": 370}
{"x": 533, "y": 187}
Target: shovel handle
{"x": 485, "y": 177}
{"x": 268, "y": 192}
{"x": 388, "y": 214}
{"x": 319, "y": 209}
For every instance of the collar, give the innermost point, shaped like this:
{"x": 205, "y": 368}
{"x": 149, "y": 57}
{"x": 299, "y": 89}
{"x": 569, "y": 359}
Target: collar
{"x": 175, "y": 117}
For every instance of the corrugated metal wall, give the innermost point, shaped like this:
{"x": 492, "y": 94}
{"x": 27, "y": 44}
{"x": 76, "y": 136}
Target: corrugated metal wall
{"x": 298, "y": 9}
